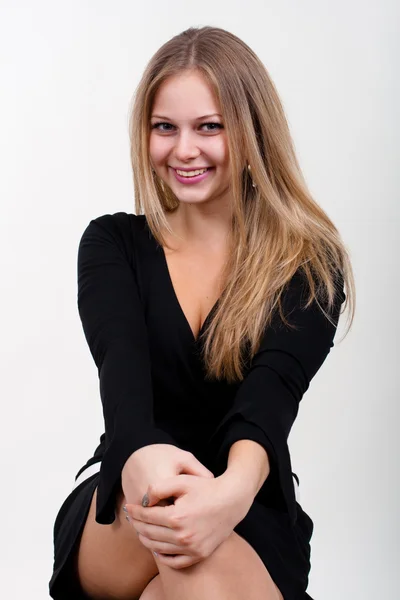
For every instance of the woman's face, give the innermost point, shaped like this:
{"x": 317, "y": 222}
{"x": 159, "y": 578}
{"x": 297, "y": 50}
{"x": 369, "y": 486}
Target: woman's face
{"x": 187, "y": 132}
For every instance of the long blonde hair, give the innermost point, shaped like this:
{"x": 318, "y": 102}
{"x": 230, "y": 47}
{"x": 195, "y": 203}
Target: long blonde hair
{"x": 277, "y": 227}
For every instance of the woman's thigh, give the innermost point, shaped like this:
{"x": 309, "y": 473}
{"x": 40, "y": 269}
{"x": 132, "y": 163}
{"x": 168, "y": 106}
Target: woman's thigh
{"x": 233, "y": 571}
{"x": 110, "y": 560}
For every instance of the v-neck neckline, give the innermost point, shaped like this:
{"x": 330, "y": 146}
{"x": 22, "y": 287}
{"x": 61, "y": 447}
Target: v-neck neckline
{"x": 165, "y": 269}
{"x": 178, "y": 304}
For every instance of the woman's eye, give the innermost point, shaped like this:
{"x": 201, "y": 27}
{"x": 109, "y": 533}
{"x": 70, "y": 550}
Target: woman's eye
{"x": 218, "y": 125}
{"x": 158, "y": 126}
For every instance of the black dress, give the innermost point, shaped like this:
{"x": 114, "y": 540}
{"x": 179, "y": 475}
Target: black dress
{"x": 153, "y": 390}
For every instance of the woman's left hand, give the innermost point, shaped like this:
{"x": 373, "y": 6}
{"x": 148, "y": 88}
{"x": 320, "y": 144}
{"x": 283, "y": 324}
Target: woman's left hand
{"x": 205, "y": 512}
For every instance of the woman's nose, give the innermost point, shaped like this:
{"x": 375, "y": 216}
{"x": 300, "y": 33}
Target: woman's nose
{"x": 186, "y": 146}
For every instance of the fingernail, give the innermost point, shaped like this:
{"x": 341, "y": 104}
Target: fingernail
{"x": 155, "y": 553}
{"x": 124, "y": 508}
{"x": 145, "y": 501}
{"x": 127, "y": 518}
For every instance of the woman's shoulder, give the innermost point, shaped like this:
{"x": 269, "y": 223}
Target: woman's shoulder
{"x": 121, "y": 220}
{"x": 120, "y": 227}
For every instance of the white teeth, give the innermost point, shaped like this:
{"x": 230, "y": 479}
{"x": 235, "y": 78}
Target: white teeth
{"x": 190, "y": 173}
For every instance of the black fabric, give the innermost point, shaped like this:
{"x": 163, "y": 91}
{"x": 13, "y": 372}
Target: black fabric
{"x": 68, "y": 527}
{"x": 153, "y": 389}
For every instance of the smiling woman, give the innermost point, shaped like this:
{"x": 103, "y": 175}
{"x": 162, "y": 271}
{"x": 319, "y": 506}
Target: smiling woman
{"x": 207, "y": 313}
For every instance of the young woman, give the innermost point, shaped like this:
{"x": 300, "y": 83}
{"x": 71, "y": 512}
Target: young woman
{"x": 207, "y": 313}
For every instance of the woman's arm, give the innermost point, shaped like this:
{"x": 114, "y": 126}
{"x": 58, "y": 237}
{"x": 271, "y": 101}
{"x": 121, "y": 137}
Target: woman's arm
{"x": 266, "y": 403}
{"x": 248, "y": 467}
{"x": 112, "y": 318}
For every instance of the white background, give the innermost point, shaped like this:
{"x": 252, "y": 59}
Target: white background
{"x": 68, "y": 72}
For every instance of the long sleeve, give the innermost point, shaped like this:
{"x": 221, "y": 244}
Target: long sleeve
{"x": 114, "y": 326}
{"x": 267, "y": 400}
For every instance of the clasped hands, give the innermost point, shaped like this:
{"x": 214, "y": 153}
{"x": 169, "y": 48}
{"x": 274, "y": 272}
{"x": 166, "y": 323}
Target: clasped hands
{"x": 204, "y": 513}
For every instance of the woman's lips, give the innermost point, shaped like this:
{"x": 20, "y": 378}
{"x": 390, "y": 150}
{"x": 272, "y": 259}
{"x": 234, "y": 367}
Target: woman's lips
{"x": 190, "y": 169}
{"x": 194, "y": 179}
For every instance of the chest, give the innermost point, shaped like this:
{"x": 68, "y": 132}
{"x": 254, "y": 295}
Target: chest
{"x": 196, "y": 280}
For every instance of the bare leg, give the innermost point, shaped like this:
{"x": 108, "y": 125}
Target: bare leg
{"x": 233, "y": 572}
{"x": 111, "y": 562}
{"x": 154, "y": 590}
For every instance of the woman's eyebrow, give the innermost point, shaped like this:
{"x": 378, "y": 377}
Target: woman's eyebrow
{"x": 197, "y": 119}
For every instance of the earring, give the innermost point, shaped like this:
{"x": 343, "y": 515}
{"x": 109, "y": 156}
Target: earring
{"x": 252, "y": 182}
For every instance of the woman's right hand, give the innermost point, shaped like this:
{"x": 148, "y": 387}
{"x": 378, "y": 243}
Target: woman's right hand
{"x": 154, "y": 462}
